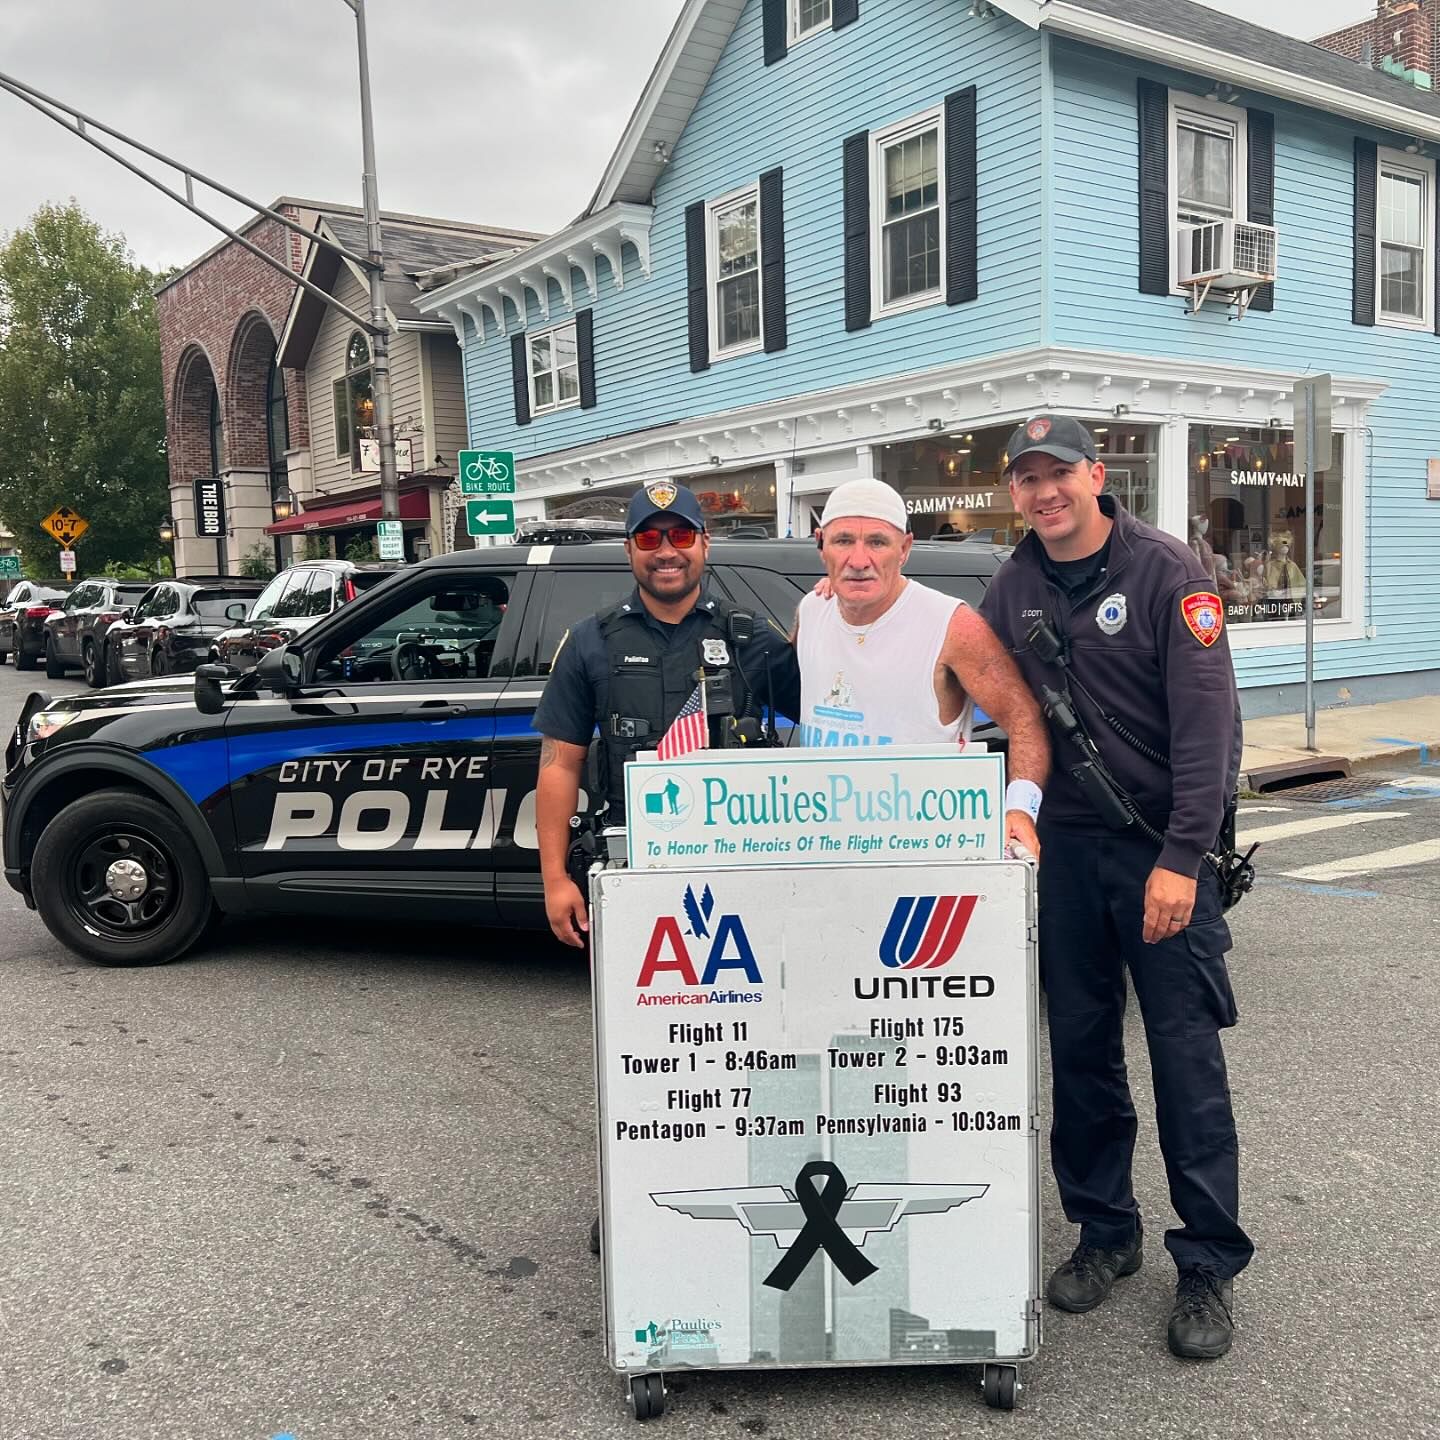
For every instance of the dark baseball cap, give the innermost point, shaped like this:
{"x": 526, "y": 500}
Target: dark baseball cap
{"x": 1056, "y": 435}
{"x": 663, "y": 497}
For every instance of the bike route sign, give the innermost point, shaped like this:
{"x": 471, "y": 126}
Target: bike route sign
{"x": 487, "y": 472}
{"x": 490, "y": 517}
{"x": 819, "y": 1135}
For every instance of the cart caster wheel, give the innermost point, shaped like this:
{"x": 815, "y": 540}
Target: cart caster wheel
{"x": 647, "y": 1396}
{"x": 1001, "y": 1383}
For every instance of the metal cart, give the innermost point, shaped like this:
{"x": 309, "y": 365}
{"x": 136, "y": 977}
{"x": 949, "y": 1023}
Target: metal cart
{"x": 817, "y": 1094}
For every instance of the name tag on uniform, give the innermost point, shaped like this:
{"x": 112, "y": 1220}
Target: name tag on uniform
{"x": 714, "y": 652}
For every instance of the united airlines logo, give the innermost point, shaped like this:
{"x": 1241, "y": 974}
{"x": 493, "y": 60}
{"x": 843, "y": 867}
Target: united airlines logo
{"x": 925, "y": 931}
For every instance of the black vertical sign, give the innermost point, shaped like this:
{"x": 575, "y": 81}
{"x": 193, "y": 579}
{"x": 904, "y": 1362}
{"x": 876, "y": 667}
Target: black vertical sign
{"x": 210, "y": 509}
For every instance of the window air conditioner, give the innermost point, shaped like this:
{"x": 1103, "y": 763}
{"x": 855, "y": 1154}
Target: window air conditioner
{"x": 1228, "y": 255}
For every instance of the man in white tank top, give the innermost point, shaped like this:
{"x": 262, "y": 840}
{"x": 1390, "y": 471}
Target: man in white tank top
{"x": 885, "y": 660}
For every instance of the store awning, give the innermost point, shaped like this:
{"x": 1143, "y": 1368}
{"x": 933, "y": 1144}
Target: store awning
{"x": 414, "y": 505}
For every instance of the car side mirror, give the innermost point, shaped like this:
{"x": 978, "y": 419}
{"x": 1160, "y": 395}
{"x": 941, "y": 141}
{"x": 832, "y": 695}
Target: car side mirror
{"x": 128, "y": 613}
{"x": 235, "y": 612}
{"x": 209, "y": 697}
{"x": 279, "y": 669}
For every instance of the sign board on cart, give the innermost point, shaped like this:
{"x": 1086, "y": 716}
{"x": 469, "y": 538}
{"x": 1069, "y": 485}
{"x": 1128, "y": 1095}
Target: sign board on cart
{"x": 817, "y": 1092}
{"x": 797, "y": 807}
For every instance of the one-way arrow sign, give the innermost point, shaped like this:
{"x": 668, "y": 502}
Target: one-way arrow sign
{"x": 490, "y": 517}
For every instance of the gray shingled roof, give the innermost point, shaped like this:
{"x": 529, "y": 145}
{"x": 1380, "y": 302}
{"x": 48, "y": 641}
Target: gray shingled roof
{"x": 1185, "y": 19}
{"x": 412, "y": 249}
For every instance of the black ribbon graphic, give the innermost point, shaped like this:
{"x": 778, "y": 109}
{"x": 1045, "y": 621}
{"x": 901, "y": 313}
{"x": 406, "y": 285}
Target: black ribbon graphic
{"x": 820, "y": 1231}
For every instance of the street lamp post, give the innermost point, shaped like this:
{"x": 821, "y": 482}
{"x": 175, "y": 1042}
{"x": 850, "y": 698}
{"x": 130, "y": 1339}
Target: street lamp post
{"x": 379, "y": 315}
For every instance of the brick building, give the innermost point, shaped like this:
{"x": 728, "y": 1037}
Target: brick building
{"x": 235, "y": 407}
{"x": 1401, "y": 37}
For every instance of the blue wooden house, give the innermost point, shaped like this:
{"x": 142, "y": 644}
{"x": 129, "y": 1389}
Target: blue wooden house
{"x": 867, "y": 237}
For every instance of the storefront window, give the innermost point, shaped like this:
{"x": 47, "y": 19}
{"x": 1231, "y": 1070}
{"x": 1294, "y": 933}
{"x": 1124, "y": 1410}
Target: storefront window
{"x": 955, "y": 488}
{"x": 736, "y": 502}
{"x": 1247, "y": 523}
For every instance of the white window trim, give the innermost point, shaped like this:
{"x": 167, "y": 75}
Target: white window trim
{"x": 792, "y": 23}
{"x": 1232, "y": 115}
{"x": 880, "y": 141}
{"x": 557, "y": 403}
{"x": 1424, "y": 169}
{"x": 1349, "y": 624}
{"x": 712, "y": 272}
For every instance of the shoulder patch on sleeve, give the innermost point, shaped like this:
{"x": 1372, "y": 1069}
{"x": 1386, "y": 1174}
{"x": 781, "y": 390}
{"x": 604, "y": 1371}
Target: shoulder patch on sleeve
{"x": 1204, "y": 616}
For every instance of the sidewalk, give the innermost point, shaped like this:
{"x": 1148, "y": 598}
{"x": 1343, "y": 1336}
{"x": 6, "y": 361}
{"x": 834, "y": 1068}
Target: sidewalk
{"x": 1347, "y": 738}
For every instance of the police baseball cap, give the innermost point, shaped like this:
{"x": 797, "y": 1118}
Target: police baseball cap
{"x": 663, "y": 497}
{"x": 1056, "y": 435}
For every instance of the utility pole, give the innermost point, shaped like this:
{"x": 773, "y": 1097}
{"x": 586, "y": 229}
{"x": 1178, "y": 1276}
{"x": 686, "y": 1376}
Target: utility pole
{"x": 379, "y": 315}
{"x": 376, "y": 325}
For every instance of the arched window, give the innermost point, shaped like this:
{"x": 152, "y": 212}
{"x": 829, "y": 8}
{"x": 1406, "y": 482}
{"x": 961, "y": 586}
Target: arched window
{"x": 354, "y": 399}
{"x": 217, "y": 433}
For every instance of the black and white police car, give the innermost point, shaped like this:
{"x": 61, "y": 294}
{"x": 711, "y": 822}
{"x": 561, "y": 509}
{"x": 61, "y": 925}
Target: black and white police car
{"x": 382, "y": 764}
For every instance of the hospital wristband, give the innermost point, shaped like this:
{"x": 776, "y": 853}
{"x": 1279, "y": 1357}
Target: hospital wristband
{"x": 1024, "y": 795}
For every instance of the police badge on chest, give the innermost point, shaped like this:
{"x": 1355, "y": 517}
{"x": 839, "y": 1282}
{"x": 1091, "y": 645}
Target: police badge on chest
{"x": 714, "y": 653}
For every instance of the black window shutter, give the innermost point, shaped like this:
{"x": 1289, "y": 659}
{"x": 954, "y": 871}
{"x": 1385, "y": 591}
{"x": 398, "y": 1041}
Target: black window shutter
{"x": 962, "y": 278}
{"x": 1260, "y": 125}
{"x": 772, "y": 259}
{"x": 1154, "y": 113}
{"x": 777, "y": 30}
{"x": 1366, "y": 183}
{"x": 843, "y": 13}
{"x": 585, "y": 355}
{"x": 857, "y": 231}
{"x": 520, "y": 377}
{"x": 695, "y": 279}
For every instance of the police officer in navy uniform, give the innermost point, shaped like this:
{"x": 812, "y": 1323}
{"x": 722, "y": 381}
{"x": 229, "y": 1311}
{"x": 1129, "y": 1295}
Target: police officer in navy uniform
{"x": 1132, "y": 651}
{"x": 628, "y": 671}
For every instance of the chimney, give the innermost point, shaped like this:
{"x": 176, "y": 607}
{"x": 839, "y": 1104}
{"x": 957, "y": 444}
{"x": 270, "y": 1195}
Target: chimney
{"x": 1412, "y": 35}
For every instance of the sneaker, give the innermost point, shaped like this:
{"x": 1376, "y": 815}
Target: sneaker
{"x": 1201, "y": 1326}
{"x": 1084, "y": 1280}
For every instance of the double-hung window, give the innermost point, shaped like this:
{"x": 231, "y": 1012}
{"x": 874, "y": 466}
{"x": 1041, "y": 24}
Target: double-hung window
{"x": 1208, "y": 165}
{"x": 732, "y": 252}
{"x": 807, "y": 17}
{"x": 908, "y": 214}
{"x": 1406, "y": 240}
{"x": 554, "y": 370}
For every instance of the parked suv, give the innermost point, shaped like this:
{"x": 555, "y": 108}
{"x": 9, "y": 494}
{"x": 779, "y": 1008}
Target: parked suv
{"x": 174, "y": 625}
{"x": 290, "y": 604}
{"x": 22, "y": 620}
{"x": 383, "y": 764}
{"x": 75, "y": 634}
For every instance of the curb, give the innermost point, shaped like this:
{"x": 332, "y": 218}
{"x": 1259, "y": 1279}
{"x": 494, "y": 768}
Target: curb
{"x": 1327, "y": 767}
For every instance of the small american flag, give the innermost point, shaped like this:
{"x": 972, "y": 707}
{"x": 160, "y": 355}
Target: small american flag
{"x": 689, "y": 731}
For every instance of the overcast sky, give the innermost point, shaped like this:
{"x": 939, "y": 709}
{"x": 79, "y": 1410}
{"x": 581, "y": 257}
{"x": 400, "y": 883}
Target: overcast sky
{"x": 502, "y": 111}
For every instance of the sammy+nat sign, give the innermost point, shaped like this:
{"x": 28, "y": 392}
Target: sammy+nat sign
{"x": 798, "y": 807}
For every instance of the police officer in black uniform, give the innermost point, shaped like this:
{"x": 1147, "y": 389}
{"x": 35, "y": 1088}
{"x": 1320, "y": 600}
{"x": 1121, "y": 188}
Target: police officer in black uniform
{"x": 628, "y": 671}
{"x": 1118, "y": 630}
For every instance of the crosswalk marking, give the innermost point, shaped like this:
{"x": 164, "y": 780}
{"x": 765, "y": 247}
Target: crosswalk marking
{"x": 1395, "y": 859}
{"x": 1315, "y": 824}
{"x": 1265, "y": 810}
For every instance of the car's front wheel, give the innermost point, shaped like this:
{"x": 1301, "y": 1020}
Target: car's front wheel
{"x": 94, "y": 665}
{"x": 23, "y": 659}
{"x": 54, "y": 670}
{"x": 114, "y": 671}
{"x": 158, "y": 664}
{"x": 117, "y": 879}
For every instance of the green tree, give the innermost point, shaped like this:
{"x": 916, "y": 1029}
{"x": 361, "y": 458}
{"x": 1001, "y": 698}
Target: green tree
{"x": 82, "y": 415}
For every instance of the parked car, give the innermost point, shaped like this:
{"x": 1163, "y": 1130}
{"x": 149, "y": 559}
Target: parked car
{"x": 291, "y": 603}
{"x": 75, "y": 634}
{"x": 382, "y": 764}
{"x": 22, "y": 621}
{"x": 173, "y": 627}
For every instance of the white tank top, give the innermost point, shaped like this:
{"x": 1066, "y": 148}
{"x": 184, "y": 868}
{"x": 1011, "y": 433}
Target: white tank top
{"x": 875, "y": 684}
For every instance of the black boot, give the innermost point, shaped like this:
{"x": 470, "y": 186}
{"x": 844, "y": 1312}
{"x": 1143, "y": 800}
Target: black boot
{"x": 1084, "y": 1280}
{"x": 1201, "y": 1326}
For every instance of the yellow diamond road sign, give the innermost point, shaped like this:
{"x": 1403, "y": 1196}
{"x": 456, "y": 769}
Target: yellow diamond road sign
{"x": 66, "y": 526}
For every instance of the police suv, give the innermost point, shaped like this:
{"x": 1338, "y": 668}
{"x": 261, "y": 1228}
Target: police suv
{"x": 382, "y": 764}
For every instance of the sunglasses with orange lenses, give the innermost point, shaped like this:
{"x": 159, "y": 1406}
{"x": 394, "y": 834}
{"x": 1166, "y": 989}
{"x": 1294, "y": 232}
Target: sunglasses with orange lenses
{"x": 682, "y": 537}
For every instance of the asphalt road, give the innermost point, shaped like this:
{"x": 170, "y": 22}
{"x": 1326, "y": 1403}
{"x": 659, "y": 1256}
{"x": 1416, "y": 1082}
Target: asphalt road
{"x": 325, "y": 1181}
